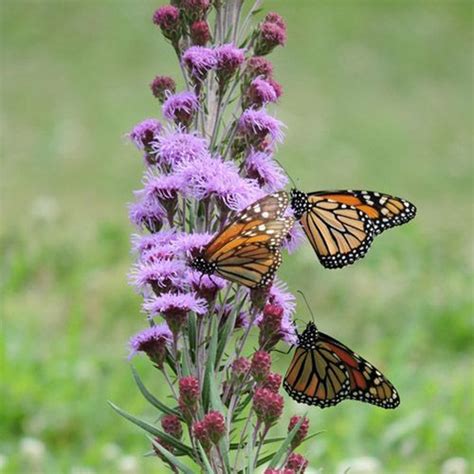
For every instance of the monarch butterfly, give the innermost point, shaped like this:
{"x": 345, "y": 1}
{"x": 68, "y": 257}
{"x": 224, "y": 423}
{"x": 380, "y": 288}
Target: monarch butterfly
{"x": 247, "y": 251}
{"x": 342, "y": 224}
{"x": 324, "y": 372}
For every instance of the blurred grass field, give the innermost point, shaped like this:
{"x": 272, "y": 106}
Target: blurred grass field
{"x": 378, "y": 95}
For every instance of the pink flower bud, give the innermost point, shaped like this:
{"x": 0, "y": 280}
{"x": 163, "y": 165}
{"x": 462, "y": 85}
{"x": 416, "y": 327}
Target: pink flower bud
{"x": 240, "y": 367}
{"x": 297, "y": 463}
{"x": 270, "y": 325}
{"x": 172, "y": 425}
{"x": 214, "y": 425}
{"x": 201, "y": 434}
{"x": 189, "y": 393}
{"x": 273, "y": 17}
{"x": 272, "y": 382}
{"x": 260, "y": 366}
{"x": 259, "y": 66}
{"x": 302, "y": 431}
{"x": 167, "y": 18}
{"x": 162, "y": 86}
{"x": 268, "y": 406}
{"x": 200, "y": 33}
{"x": 270, "y": 36}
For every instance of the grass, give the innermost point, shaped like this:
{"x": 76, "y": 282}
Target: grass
{"x": 377, "y": 95}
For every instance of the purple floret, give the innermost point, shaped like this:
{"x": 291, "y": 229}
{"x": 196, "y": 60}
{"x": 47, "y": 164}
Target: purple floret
{"x": 261, "y": 167}
{"x": 145, "y": 132}
{"x": 257, "y": 125}
{"x": 159, "y": 334}
{"x": 181, "y": 107}
{"x": 175, "y": 302}
{"x": 199, "y": 60}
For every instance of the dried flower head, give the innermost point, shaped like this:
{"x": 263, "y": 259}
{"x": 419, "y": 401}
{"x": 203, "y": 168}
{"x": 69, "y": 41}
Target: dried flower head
{"x": 270, "y": 35}
{"x": 297, "y": 462}
{"x": 168, "y": 19}
{"x": 268, "y": 406}
{"x": 199, "y": 60}
{"x": 153, "y": 341}
{"x": 260, "y": 366}
{"x": 171, "y": 425}
{"x": 181, "y": 107}
{"x": 302, "y": 431}
{"x": 162, "y": 86}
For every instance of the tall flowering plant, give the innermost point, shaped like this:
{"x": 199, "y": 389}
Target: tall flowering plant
{"x": 212, "y": 157}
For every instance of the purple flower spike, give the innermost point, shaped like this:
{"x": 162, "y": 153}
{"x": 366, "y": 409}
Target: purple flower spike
{"x": 153, "y": 342}
{"x": 162, "y": 187}
{"x": 260, "y": 92}
{"x": 229, "y": 59}
{"x": 199, "y": 61}
{"x": 161, "y": 275}
{"x": 145, "y": 132}
{"x": 175, "y": 147}
{"x": 256, "y": 126}
{"x": 261, "y": 167}
{"x": 147, "y": 214}
{"x": 181, "y": 107}
{"x": 145, "y": 243}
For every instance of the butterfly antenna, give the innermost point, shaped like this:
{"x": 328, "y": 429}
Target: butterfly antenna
{"x": 307, "y": 305}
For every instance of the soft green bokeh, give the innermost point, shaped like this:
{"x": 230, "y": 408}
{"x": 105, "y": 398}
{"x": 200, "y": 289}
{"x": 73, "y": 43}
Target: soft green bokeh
{"x": 378, "y": 95}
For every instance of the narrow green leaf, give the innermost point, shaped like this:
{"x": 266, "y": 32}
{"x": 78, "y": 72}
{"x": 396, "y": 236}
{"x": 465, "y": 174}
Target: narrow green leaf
{"x": 151, "y": 398}
{"x": 265, "y": 459}
{"x": 209, "y": 375}
{"x": 171, "y": 458}
{"x": 267, "y": 441}
{"x": 285, "y": 445}
{"x": 154, "y": 431}
{"x": 192, "y": 336}
{"x": 204, "y": 459}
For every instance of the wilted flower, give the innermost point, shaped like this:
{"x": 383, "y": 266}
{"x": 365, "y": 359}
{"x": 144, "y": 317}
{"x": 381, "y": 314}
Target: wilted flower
{"x": 153, "y": 341}
{"x": 268, "y": 406}
{"x": 172, "y": 426}
{"x": 199, "y": 61}
{"x": 167, "y": 18}
{"x": 297, "y": 462}
{"x": 162, "y": 86}
{"x": 181, "y": 107}
{"x": 302, "y": 430}
{"x": 200, "y": 33}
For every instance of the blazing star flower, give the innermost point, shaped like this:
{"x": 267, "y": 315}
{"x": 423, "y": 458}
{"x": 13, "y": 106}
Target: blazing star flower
{"x": 240, "y": 368}
{"x": 186, "y": 244}
{"x": 214, "y": 423}
{"x": 199, "y": 60}
{"x": 162, "y": 86}
{"x": 153, "y": 341}
{"x": 172, "y": 426}
{"x": 297, "y": 463}
{"x": 162, "y": 187}
{"x": 189, "y": 393}
{"x": 162, "y": 275}
{"x": 147, "y": 213}
{"x": 294, "y": 238}
{"x": 278, "y": 295}
{"x": 167, "y": 18}
{"x": 205, "y": 286}
{"x": 259, "y": 66}
{"x": 176, "y": 147}
{"x": 272, "y": 17}
{"x": 276, "y": 87}
{"x": 259, "y": 93}
{"x": 181, "y": 107}
{"x": 145, "y": 243}
{"x": 302, "y": 430}
{"x": 229, "y": 59}
{"x": 272, "y": 382}
{"x": 145, "y": 132}
{"x": 157, "y": 254}
{"x": 201, "y": 434}
{"x": 195, "y": 8}
{"x": 270, "y": 35}
{"x": 261, "y": 167}
{"x": 200, "y": 33}
{"x": 260, "y": 365}
{"x": 268, "y": 406}
{"x": 256, "y": 125}
{"x": 212, "y": 177}
{"x": 270, "y": 326}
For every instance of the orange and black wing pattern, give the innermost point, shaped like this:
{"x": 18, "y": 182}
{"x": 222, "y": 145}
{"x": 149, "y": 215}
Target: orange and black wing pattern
{"x": 341, "y": 225}
{"x": 247, "y": 251}
{"x": 324, "y": 372}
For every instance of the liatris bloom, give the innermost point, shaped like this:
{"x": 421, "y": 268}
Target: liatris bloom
{"x": 175, "y": 308}
{"x": 200, "y": 33}
{"x": 162, "y": 86}
{"x": 229, "y": 58}
{"x": 270, "y": 325}
{"x": 205, "y": 287}
{"x": 240, "y": 368}
{"x": 199, "y": 60}
{"x": 145, "y": 132}
{"x": 276, "y": 87}
{"x": 302, "y": 431}
{"x": 162, "y": 275}
{"x": 201, "y": 434}
{"x": 261, "y": 167}
{"x": 214, "y": 425}
{"x": 258, "y": 66}
{"x": 260, "y": 366}
{"x": 270, "y": 35}
{"x": 272, "y": 17}
{"x": 148, "y": 214}
{"x": 256, "y": 125}
{"x": 167, "y": 18}
{"x": 297, "y": 462}
{"x": 260, "y": 92}
{"x": 172, "y": 425}
{"x": 189, "y": 393}
{"x": 181, "y": 107}
{"x": 268, "y": 406}
{"x": 195, "y": 8}
{"x": 154, "y": 342}
{"x": 294, "y": 238}
{"x": 272, "y": 382}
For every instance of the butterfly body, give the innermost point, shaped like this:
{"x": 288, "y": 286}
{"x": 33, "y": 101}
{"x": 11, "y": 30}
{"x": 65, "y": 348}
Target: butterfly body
{"x": 324, "y": 372}
{"x": 247, "y": 250}
{"x": 341, "y": 225}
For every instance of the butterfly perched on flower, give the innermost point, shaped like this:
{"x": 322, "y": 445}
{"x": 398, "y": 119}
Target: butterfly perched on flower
{"x": 324, "y": 372}
{"x": 247, "y": 250}
{"x": 341, "y": 225}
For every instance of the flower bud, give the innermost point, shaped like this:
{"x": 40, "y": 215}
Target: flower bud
{"x": 270, "y": 35}
{"x": 258, "y": 66}
{"x": 302, "y": 431}
{"x": 200, "y": 33}
{"x": 189, "y": 393}
{"x": 167, "y": 18}
{"x": 270, "y": 326}
{"x": 214, "y": 425}
{"x": 297, "y": 463}
{"x": 201, "y": 434}
{"x": 172, "y": 426}
{"x": 240, "y": 368}
{"x": 260, "y": 366}
{"x": 268, "y": 406}
{"x": 162, "y": 86}
{"x": 272, "y": 382}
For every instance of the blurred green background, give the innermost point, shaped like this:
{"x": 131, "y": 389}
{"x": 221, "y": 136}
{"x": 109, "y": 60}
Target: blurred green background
{"x": 378, "y": 95}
